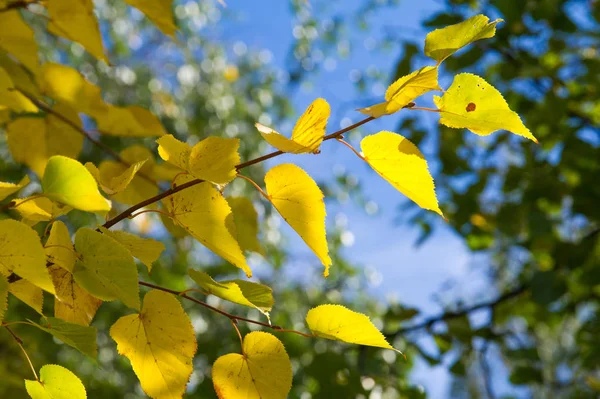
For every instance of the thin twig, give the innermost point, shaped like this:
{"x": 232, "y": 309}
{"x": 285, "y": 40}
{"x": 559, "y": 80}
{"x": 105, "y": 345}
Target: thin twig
{"x": 20, "y": 343}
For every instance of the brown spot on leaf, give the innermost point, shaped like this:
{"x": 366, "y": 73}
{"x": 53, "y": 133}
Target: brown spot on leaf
{"x": 471, "y": 107}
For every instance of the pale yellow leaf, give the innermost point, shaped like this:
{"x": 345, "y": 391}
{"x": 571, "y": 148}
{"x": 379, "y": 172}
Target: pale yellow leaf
{"x": 59, "y": 247}
{"x": 205, "y": 214}
{"x": 308, "y": 133}
{"x": 17, "y": 39}
{"x": 299, "y": 200}
{"x": 114, "y": 184}
{"x": 342, "y": 324}
{"x": 472, "y": 103}
{"x": 401, "y": 163}
{"x": 56, "y": 382}
{"x": 10, "y": 98}
{"x": 71, "y": 302}
{"x": 20, "y": 133}
{"x": 22, "y": 78}
{"x": 34, "y": 210}
{"x": 246, "y": 223}
{"x": 7, "y": 189}
{"x": 3, "y": 296}
{"x": 174, "y": 151}
{"x": 28, "y": 294}
{"x": 159, "y": 12}
{"x": 147, "y": 250}
{"x": 160, "y": 343}
{"x": 141, "y": 186}
{"x": 214, "y": 159}
{"x": 262, "y": 371}
{"x": 129, "y": 121}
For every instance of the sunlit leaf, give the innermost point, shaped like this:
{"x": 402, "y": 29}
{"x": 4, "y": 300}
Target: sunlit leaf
{"x": 3, "y": 296}
{"x": 308, "y": 133}
{"x": 21, "y": 252}
{"x": 105, "y": 268}
{"x": 401, "y": 163}
{"x": 263, "y": 370}
{"x": 174, "y": 151}
{"x": 17, "y": 39}
{"x": 10, "y": 98}
{"x": 299, "y": 200}
{"x": 141, "y": 186}
{"x": 242, "y": 292}
{"x": 56, "y": 382}
{"x": 130, "y": 121}
{"x": 474, "y": 104}
{"x": 246, "y": 223}
{"x": 59, "y": 247}
{"x": 205, "y": 214}
{"x": 342, "y": 324}
{"x": 442, "y": 43}
{"x": 114, "y": 184}
{"x": 82, "y": 338}
{"x": 404, "y": 90}
{"x": 159, "y": 12}
{"x": 28, "y": 294}
{"x": 7, "y": 189}
{"x": 147, "y": 250}
{"x": 69, "y": 182}
{"x": 71, "y": 302}
{"x": 160, "y": 343}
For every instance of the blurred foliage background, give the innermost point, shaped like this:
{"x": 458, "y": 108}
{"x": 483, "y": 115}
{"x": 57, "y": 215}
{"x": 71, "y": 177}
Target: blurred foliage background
{"x": 532, "y": 211}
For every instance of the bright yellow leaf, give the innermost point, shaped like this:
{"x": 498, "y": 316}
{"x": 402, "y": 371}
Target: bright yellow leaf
{"x": 28, "y": 294}
{"x": 159, "y": 12}
{"x": 105, "y": 268}
{"x": 474, "y": 104}
{"x": 174, "y": 151}
{"x": 404, "y": 90}
{"x": 3, "y": 296}
{"x": 7, "y": 189}
{"x": 160, "y": 343}
{"x": 21, "y": 252}
{"x": 19, "y": 74}
{"x": 442, "y": 43}
{"x": 10, "y": 98}
{"x": 147, "y": 250}
{"x": 59, "y": 248}
{"x": 246, "y": 223}
{"x": 299, "y": 200}
{"x": 401, "y": 163}
{"x": 242, "y": 292}
{"x": 71, "y": 302}
{"x": 69, "y": 182}
{"x": 141, "y": 186}
{"x": 34, "y": 210}
{"x": 308, "y": 133}
{"x": 56, "y": 382}
{"x": 17, "y": 39}
{"x": 342, "y": 324}
{"x": 114, "y": 184}
{"x": 262, "y": 371}
{"x": 214, "y": 159}
{"x": 205, "y": 214}
{"x": 75, "y": 20}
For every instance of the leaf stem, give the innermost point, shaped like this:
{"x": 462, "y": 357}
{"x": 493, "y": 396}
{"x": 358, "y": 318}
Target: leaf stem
{"x": 234, "y": 324}
{"x": 425, "y": 109}
{"x": 260, "y": 190}
{"x": 352, "y": 148}
{"x": 148, "y": 211}
{"x": 20, "y": 343}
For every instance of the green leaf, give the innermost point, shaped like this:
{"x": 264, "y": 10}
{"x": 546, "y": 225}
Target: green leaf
{"x": 82, "y": 338}
{"x": 56, "y": 382}
{"x": 105, "y": 268}
{"x": 147, "y": 250}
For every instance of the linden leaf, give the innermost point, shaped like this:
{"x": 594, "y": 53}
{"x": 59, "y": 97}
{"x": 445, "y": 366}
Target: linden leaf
{"x": 147, "y": 250}
{"x": 442, "y": 43}
{"x": 339, "y": 323}
{"x": 56, "y": 382}
{"x": 474, "y": 104}
{"x": 17, "y": 39}
{"x": 141, "y": 186}
{"x": 59, "y": 247}
{"x": 404, "y": 90}
{"x": 129, "y": 121}
{"x": 114, "y": 184}
{"x": 214, "y": 159}
{"x": 105, "y": 268}
{"x": 205, "y": 214}
{"x": 159, "y": 12}
{"x": 246, "y": 223}
{"x": 308, "y": 133}
{"x": 7, "y": 189}
{"x": 11, "y": 98}
{"x": 242, "y": 292}
{"x": 28, "y": 294}
{"x": 401, "y": 163}
{"x": 299, "y": 200}
{"x": 69, "y": 182}
{"x": 263, "y": 370}
{"x": 3, "y": 296}
{"x": 160, "y": 344}
{"x": 71, "y": 302}
{"x": 21, "y": 252}
{"x": 174, "y": 151}
{"x": 82, "y": 338}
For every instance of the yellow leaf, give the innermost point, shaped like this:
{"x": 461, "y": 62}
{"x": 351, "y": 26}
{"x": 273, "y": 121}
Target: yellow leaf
{"x": 21, "y": 252}
{"x": 339, "y": 323}
{"x": 160, "y": 343}
{"x": 141, "y": 186}
{"x": 205, "y": 214}
{"x": 69, "y": 182}
{"x": 214, "y": 159}
{"x": 474, "y": 104}
{"x": 105, "y": 268}
{"x": 129, "y": 121}
{"x": 242, "y": 292}
{"x": 442, "y": 43}
{"x": 246, "y": 223}
{"x": 308, "y": 133}
{"x": 7, "y": 189}
{"x": 159, "y": 12}
{"x": 59, "y": 248}
{"x": 114, "y": 184}
{"x": 147, "y": 250}
{"x": 404, "y": 90}
{"x": 19, "y": 74}
{"x": 28, "y": 294}
{"x": 56, "y": 382}
{"x": 174, "y": 151}
{"x": 71, "y": 302}
{"x": 61, "y": 138}
{"x": 401, "y": 163}
{"x": 299, "y": 200}
{"x": 10, "y": 98}
{"x": 17, "y": 39}
{"x": 75, "y": 20}
{"x": 3, "y": 296}
{"x": 34, "y": 210}
{"x": 4, "y": 113}
{"x": 263, "y": 371}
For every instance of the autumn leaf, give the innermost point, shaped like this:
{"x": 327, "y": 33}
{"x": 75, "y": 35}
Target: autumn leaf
{"x": 141, "y": 186}
{"x": 246, "y": 223}
{"x": 113, "y": 183}
{"x": 10, "y": 98}
{"x": 56, "y": 382}
{"x": 128, "y": 121}
{"x": 147, "y": 250}
{"x": 71, "y": 302}
{"x": 17, "y": 39}
{"x": 7, "y": 188}
{"x": 159, "y": 12}
{"x": 34, "y": 210}
{"x": 59, "y": 247}
{"x": 3, "y": 296}
{"x": 82, "y": 338}
{"x": 28, "y": 293}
